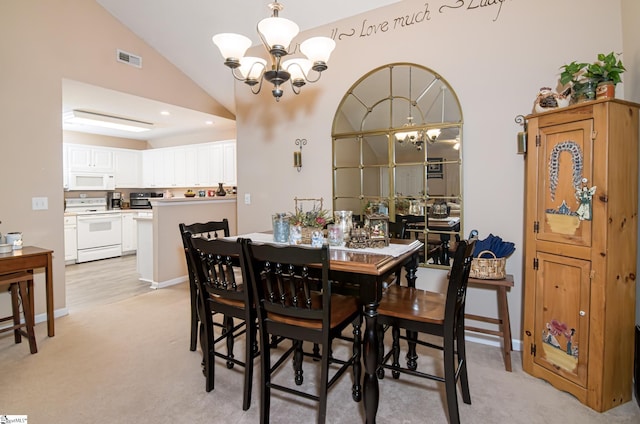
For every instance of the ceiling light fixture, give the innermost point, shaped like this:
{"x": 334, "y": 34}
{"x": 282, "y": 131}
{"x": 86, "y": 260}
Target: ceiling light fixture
{"x": 417, "y": 137}
{"x": 81, "y": 117}
{"x": 276, "y": 34}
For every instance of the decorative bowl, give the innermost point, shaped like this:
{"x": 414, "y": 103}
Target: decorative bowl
{"x": 190, "y": 194}
{"x": 6, "y": 248}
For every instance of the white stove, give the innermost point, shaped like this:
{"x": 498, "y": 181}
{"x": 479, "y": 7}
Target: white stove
{"x": 99, "y": 230}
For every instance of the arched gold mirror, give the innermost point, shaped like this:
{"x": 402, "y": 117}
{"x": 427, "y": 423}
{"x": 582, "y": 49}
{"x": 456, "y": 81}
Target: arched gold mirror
{"x": 397, "y": 145}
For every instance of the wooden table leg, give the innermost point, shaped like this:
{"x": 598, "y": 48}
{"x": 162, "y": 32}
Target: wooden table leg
{"x": 503, "y": 314}
{"x": 370, "y": 388}
{"x": 49, "y": 295}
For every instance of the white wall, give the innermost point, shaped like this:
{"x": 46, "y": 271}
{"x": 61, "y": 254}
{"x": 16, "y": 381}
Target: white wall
{"x": 42, "y": 43}
{"x": 496, "y": 59}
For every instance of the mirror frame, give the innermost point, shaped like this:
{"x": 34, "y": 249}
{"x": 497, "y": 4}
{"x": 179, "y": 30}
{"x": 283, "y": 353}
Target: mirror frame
{"x": 372, "y": 95}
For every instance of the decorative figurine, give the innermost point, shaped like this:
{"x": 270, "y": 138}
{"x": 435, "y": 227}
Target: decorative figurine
{"x": 549, "y": 100}
{"x": 585, "y": 196}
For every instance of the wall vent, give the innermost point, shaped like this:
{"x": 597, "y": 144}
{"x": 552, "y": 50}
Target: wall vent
{"x": 129, "y": 59}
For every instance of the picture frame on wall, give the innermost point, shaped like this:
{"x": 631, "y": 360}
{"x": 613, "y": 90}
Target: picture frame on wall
{"x": 434, "y": 168}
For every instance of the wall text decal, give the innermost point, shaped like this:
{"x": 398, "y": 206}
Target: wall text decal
{"x": 473, "y": 4}
{"x": 369, "y": 28}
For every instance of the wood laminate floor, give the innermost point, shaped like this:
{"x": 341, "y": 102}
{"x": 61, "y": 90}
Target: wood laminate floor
{"x": 101, "y": 282}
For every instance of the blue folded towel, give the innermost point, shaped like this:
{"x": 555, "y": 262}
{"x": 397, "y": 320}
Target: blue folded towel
{"x": 495, "y": 244}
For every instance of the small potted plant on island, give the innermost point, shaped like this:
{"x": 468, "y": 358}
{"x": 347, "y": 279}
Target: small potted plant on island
{"x": 586, "y": 77}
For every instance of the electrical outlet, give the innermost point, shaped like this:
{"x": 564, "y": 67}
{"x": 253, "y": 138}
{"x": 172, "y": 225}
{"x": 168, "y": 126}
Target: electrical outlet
{"x": 39, "y": 203}
{"x": 247, "y": 198}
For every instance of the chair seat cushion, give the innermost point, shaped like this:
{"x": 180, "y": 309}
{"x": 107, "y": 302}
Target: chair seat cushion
{"x": 414, "y": 304}
{"x": 342, "y": 307}
{"x": 235, "y": 299}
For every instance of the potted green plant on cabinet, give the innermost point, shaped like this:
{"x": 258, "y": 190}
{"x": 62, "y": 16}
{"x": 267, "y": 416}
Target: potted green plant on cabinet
{"x": 593, "y": 80}
{"x": 582, "y": 87}
{"x": 607, "y": 71}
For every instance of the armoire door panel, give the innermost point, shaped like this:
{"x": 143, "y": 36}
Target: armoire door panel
{"x": 565, "y": 168}
{"x": 562, "y": 316}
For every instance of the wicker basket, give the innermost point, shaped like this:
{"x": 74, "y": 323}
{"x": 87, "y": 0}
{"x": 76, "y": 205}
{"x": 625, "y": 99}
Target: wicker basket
{"x": 488, "y": 268}
{"x": 306, "y": 234}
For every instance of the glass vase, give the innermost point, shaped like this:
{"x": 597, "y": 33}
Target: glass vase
{"x": 280, "y": 227}
{"x": 344, "y": 219}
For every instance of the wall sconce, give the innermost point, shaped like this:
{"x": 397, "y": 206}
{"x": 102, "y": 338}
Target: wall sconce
{"x": 522, "y": 135}
{"x": 297, "y": 156}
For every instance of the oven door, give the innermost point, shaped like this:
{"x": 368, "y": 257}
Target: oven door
{"x": 99, "y": 230}
{"x": 139, "y": 203}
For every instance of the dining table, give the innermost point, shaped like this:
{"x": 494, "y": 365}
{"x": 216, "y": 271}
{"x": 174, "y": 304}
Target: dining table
{"x": 29, "y": 258}
{"x": 364, "y": 273}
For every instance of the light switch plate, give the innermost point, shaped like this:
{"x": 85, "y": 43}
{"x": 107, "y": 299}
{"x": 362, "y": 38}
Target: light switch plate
{"x": 247, "y": 198}
{"x": 39, "y": 203}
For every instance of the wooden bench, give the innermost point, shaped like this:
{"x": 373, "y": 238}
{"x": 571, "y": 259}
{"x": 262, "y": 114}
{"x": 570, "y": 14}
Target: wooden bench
{"x": 504, "y": 326}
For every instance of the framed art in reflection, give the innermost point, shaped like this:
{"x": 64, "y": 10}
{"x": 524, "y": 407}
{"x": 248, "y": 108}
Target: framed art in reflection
{"x": 434, "y": 168}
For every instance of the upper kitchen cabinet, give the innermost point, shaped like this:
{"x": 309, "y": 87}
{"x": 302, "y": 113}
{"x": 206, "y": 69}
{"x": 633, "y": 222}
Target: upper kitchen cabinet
{"x": 229, "y": 163}
{"x": 153, "y": 174}
{"x": 128, "y": 167}
{"x": 196, "y": 165}
{"x": 84, "y": 158}
{"x": 65, "y": 166}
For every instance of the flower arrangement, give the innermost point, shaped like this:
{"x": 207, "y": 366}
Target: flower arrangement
{"x": 315, "y": 218}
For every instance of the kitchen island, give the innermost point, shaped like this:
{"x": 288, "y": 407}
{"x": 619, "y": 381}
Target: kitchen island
{"x": 161, "y": 259}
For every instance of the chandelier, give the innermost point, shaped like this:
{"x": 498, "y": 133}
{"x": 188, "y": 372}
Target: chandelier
{"x": 276, "y": 34}
{"x": 417, "y": 137}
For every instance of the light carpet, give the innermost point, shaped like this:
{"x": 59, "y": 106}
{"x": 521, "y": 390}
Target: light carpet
{"x": 129, "y": 362}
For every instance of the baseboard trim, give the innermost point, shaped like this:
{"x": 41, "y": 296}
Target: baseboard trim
{"x": 491, "y": 340}
{"x": 167, "y": 283}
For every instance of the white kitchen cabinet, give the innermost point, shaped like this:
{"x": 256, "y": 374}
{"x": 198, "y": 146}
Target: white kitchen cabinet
{"x": 128, "y": 168}
{"x": 89, "y": 158}
{"x": 70, "y": 239}
{"x": 65, "y": 167}
{"x": 216, "y": 164}
{"x": 176, "y": 166}
{"x": 229, "y": 163}
{"x": 152, "y": 168}
{"x": 129, "y": 232}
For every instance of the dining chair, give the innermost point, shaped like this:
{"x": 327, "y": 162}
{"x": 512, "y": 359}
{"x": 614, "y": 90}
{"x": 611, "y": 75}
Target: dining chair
{"x": 208, "y": 230}
{"x": 293, "y": 297}
{"x": 20, "y": 285}
{"x": 437, "y": 314}
{"x": 220, "y": 269}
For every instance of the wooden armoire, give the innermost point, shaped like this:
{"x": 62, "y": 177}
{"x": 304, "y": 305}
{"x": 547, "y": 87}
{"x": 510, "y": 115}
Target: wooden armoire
{"x": 581, "y": 229}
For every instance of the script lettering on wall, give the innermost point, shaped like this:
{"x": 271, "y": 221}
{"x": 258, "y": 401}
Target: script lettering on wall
{"x": 473, "y": 5}
{"x": 368, "y": 28}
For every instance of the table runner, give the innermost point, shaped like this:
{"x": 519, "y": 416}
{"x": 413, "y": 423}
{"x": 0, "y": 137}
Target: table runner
{"x": 393, "y": 249}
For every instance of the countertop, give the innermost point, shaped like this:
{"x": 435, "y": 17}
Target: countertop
{"x": 194, "y": 199}
{"x": 137, "y": 211}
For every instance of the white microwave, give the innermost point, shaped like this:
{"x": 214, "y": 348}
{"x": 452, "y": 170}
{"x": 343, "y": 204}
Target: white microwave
{"x": 91, "y": 181}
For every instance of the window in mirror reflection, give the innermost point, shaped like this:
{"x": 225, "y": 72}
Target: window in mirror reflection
{"x": 397, "y": 147}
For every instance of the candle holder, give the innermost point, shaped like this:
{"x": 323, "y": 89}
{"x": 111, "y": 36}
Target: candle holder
{"x": 297, "y": 156}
